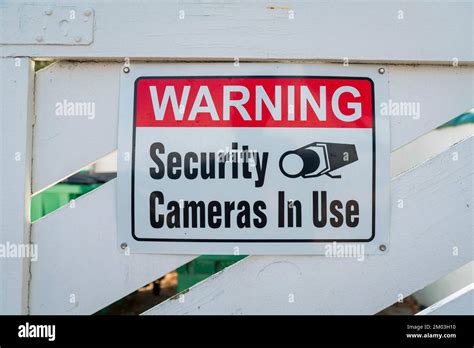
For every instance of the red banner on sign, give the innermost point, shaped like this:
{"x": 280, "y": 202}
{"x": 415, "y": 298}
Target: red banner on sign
{"x": 319, "y": 102}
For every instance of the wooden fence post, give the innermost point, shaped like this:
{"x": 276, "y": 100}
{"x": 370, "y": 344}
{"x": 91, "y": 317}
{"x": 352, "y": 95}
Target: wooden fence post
{"x": 17, "y": 85}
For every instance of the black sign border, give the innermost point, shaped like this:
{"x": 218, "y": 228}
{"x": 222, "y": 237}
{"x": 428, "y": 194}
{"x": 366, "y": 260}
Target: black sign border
{"x": 194, "y": 240}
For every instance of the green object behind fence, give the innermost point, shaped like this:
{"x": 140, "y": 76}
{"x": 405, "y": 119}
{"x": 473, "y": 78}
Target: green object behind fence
{"x": 203, "y": 267}
{"x": 55, "y": 197}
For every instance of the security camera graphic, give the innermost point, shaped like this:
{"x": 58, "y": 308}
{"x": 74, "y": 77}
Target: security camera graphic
{"x": 316, "y": 159}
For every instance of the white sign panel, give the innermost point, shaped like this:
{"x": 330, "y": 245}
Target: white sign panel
{"x": 259, "y": 159}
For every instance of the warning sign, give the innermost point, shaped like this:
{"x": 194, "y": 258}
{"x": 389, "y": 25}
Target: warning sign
{"x": 251, "y": 164}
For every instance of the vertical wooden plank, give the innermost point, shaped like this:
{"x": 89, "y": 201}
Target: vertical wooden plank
{"x": 16, "y": 93}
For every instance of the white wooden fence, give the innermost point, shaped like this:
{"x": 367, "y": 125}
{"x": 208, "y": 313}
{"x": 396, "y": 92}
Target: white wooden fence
{"x": 426, "y": 46}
